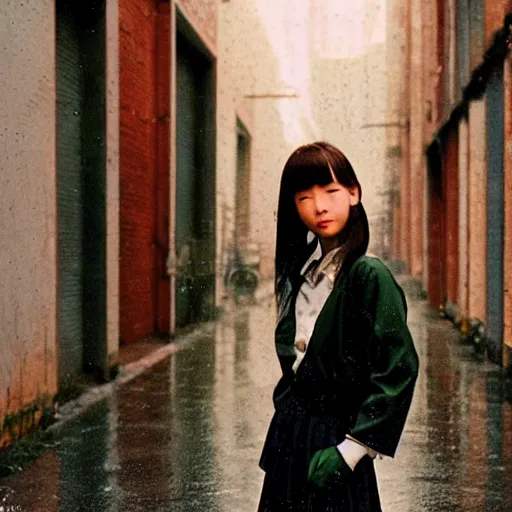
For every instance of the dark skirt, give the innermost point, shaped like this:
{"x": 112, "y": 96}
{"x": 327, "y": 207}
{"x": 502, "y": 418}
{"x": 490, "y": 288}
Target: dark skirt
{"x": 296, "y": 431}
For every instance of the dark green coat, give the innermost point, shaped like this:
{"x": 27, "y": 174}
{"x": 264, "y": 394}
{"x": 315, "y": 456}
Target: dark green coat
{"x": 357, "y": 378}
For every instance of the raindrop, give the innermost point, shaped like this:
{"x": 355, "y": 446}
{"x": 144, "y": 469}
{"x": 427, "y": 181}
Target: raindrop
{"x": 75, "y": 113}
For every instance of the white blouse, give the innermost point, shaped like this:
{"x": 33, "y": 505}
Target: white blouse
{"x": 319, "y": 274}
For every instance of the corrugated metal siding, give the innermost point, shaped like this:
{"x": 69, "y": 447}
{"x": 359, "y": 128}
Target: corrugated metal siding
{"x": 81, "y": 184}
{"x": 495, "y": 209}
{"x": 70, "y": 96}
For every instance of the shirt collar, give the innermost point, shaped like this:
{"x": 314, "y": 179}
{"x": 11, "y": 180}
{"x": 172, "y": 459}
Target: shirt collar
{"x": 313, "y": 271}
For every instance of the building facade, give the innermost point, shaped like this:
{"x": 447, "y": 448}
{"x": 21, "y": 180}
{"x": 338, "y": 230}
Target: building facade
{"x": 452, "y": 209}
{"x": 108, "y": 176}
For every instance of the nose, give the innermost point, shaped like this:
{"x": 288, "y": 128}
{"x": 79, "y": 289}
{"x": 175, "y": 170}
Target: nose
{"x": 320, "y": 203}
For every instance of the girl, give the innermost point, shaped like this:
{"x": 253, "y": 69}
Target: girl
{"x": 346, "y": 400}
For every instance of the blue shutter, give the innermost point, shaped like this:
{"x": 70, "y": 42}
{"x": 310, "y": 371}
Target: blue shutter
{"x": 495, "y": 210}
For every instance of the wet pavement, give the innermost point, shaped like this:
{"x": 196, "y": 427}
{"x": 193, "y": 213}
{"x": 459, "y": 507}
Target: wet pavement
{"x": 186, "y": 436}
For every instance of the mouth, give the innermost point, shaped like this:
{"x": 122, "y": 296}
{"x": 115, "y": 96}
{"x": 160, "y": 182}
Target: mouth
{"x": 324, "y": 224}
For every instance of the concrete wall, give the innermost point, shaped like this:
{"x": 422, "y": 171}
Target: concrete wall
{"x": 405, "y": 144}
{"x": 463, "y": 219}
{"x": 507, "y": 361}
{"x": 417, "y": 156}
{"x": 28, "y": 366}
{"x": 203, "y": 14}
{"x": 112, "y": 166}
{"x": 396, "y": 39}
{"x": 477, "y": 209}
{"x": 234, "y": 81}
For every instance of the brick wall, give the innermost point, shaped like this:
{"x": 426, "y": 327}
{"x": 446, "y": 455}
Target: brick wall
{"x": 137, "y": 43}
{"x": 144, "y": 167}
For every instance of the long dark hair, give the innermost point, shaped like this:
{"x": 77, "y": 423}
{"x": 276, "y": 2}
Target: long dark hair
{"x": 309, "y": 165}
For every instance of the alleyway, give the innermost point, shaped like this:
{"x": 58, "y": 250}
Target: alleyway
{"x": 186, "y": 436}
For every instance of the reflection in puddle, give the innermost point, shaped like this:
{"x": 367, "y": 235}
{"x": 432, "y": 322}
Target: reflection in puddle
{"x": 187, "y": 435}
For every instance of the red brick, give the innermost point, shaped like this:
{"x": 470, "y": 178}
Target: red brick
{"x": 137, "y": 53}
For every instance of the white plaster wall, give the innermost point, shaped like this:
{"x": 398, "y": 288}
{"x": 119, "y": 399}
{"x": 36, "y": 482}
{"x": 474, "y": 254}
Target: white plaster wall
{"x": 277, "y": 48}
{"x": 263, "y": 50}
{"x": 350, "y": 98}
{"x": 27, "y": 202}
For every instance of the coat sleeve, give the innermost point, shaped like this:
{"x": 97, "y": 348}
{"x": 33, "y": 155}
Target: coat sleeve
{"x": 392, "y": 359}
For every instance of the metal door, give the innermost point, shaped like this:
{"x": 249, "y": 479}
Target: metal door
{"x": 495, "y": 211}
{"x": 81, "y": 215}
{"x": 70, "y": 96}
{"x": 195, "y": 186}
{"x": 94, "y": 188}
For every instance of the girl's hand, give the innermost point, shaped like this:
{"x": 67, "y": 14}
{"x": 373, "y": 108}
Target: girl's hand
{"x": 300, "y": 345}
{"x": 328, "y": 468}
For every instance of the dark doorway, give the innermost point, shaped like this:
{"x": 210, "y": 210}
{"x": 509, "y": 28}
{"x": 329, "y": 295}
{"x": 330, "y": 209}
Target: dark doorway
{"x": 243, "y": 185}
{"x": 436, "y": 289}
{"x": 81, "y": 184}
{"x": 495, "y": 212}
{"x": 450, "y": 201}
{"x": 195, "y": 184}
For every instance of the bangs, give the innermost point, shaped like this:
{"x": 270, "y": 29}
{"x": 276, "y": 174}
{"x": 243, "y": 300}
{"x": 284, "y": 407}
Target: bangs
{"x": 306, "y": 168}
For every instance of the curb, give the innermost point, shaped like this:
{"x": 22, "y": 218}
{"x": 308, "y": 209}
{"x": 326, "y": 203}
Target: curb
{"x": 95, "y": 394}
{"x": 74, "y": 408}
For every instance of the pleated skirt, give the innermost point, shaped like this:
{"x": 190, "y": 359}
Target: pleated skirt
{"x": 295, "y": 433}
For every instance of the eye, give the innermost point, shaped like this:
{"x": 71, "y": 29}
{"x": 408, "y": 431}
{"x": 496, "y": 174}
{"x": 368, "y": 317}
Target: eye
{"x": 332, "y": 190}
{"x": 302, "y": 198}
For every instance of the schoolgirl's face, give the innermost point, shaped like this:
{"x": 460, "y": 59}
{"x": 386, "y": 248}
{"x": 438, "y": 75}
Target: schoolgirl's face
{"x": 325, "y": 209}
